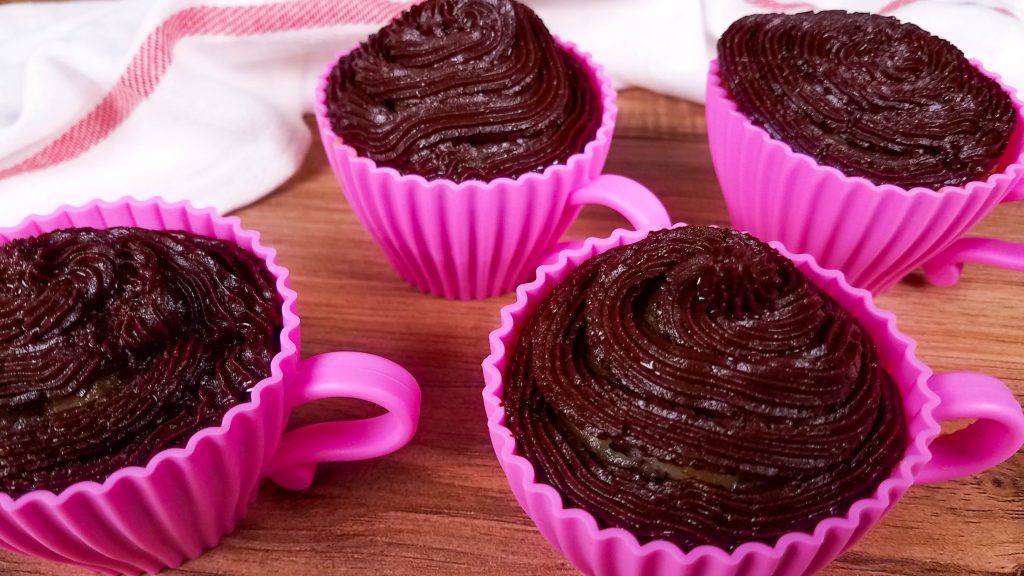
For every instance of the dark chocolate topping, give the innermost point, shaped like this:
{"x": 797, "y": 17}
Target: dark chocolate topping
{"x": 869, "y": 95}
{"x": 116, "y": 344}
{"x": 697, "y": 387}
{"x": 464, "y": 90}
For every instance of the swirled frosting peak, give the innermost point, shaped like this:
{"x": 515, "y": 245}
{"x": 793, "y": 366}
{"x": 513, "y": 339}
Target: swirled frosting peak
{"x": 696, "y": 387}
{"x": 464, "y": 90}
{"x": 869, "y": 95}
{"x": 116, "y": 344}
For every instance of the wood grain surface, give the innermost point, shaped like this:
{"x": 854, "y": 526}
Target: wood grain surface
{"x": 442, "y": 504}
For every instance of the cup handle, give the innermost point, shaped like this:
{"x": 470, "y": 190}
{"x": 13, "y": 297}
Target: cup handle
{"x": 346, "y": 375}
{"x": 996, "y": 435}
{"x": 632, "y": 200}
{"x": 944, "y": 269}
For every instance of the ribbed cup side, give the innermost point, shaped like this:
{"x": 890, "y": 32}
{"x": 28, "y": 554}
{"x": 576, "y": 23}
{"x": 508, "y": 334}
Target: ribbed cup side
{"x": 142, "y": 520}
{"x": 607, "y": 552}
{"x": 462, "y": 242}
{"x": 874, "y": 234}
{"x": 471, "y": 240}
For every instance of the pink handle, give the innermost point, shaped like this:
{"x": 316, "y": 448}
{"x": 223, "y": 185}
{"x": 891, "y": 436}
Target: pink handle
{"x": 632, "y": 200}
{"x": 996, "y": 435}
{"x": 346, "y": 375}
{"x": 945, "y": 268}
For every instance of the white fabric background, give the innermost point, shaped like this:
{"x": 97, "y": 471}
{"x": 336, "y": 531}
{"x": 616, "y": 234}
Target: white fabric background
{"x": 224, "y": 126}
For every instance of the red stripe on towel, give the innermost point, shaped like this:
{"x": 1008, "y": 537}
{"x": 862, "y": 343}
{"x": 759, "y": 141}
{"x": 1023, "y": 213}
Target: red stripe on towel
{"x": 894, "y": 6}
{"x": 782, "y": 6}
{"x": 156, "y": 52}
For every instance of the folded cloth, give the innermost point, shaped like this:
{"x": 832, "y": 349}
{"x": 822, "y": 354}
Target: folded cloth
{"x": 204, "y": 99}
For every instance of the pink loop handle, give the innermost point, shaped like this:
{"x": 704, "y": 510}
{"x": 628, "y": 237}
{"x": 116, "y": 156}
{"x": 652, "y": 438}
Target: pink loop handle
{"x": 346, "y": 375}
{"x": 996, "y": 435}
{"x": 945, "y": 268}
{"x": 633, "y": 200}
{"x": 638, "y": 205}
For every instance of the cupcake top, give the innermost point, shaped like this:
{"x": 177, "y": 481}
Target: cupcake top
{"x": 464, "y": 90}
{"x": 116, "y": 344}
{"x": 696, "y": 387}
{"x": 869, "y": 95}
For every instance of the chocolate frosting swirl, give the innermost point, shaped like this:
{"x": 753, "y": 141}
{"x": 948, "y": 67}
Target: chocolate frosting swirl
{"x": 464, "y": 90}
{"x": 696, "y": 387}
{"x": 869, "y": 95}
{"x": 116, "y": 344}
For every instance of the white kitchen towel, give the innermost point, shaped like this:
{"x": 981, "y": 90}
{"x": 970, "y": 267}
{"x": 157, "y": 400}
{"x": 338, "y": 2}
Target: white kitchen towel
{"x": 203, "y": 99}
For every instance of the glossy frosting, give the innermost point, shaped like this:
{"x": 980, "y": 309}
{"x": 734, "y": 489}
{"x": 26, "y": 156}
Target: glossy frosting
{"x": 463, "y": 90}
{"x": 696, "y": 387}
{"x": 869, "y": 95}
{"x": 116, "y": 344}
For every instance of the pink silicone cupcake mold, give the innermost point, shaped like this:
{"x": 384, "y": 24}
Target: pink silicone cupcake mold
{"x": 143, "y": 519}
{"x": 479, "y": 239}
{"x": 875, "y": 234}
{"x": 928, "y": 398}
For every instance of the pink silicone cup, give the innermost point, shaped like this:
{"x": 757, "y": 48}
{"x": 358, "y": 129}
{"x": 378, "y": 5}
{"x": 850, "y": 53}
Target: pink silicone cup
{"x": 478, "y": 239}
{"x": 875, "y": 234}
{"x": 143, "y": 519}
{"x": 928, "y": 399}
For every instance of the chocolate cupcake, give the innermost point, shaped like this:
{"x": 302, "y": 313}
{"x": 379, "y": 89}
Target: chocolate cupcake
{"x": 696, "y": 387}
{"x": 868, "y": 95}
{"x": 117, "y": 344}
{"x": 464, "y": 90}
